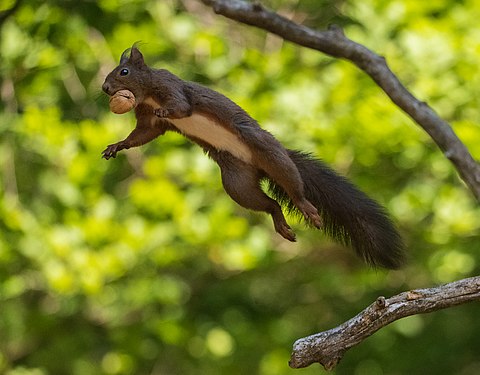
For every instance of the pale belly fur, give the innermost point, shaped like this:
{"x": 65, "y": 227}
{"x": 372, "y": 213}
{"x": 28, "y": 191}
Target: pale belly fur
{"x": 211, "y": 132}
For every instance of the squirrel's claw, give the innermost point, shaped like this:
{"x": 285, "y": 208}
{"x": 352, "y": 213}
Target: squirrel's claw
{"x": 111, "y": 151}
{"x": 161, "y": 112}
{"x": 287, "y": 233}
{"x": 311, "y": 213}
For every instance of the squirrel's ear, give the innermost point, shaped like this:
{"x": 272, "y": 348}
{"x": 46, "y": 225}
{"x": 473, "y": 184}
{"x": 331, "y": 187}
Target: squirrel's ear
{"x": 125, "y": 56}
{"x": 136, "y": 57}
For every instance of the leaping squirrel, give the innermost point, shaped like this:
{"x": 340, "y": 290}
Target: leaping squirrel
{"x": 248, "y": 154}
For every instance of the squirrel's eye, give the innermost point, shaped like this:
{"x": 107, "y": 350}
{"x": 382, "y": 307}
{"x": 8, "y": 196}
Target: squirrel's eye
{"x": 124, "y": 72}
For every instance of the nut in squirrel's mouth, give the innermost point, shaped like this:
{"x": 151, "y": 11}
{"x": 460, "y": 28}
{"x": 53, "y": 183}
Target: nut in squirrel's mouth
{"x": 125, "y": 93}
{"x": 122, "y": 101}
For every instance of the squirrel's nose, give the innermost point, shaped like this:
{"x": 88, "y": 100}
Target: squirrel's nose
{"x": 106, "y": 88}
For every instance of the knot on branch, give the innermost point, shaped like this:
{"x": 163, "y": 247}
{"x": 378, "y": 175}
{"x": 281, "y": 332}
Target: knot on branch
{"x": 336, "y": 30}
{"x": 257, "y": 6}
{"x": 381, "y": 302}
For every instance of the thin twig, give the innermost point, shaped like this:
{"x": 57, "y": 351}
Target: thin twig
{"x": 334, "y": 43}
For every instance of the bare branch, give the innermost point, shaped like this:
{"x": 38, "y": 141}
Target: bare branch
{"x": 328, "y": 347}
{"x": 334, "y": 43}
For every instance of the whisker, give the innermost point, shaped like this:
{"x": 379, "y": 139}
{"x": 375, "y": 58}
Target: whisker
{"x": 101, "y": 97}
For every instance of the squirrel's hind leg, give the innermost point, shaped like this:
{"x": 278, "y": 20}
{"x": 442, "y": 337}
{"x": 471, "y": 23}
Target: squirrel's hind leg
{"x": 282, "y": 170}
{"x": 241, "y": 181}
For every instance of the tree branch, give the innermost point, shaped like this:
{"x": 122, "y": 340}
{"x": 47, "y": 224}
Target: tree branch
{"x": 328, "y": 347}
{"x": 334, "y": 43}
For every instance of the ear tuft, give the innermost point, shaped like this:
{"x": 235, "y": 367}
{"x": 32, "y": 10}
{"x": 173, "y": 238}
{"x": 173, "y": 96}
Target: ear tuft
{"x": 125, "y": 56}
{"x": 136, "y": 56}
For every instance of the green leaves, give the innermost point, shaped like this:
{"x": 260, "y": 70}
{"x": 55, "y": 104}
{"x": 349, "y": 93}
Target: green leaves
{"x": 142, "y": 264}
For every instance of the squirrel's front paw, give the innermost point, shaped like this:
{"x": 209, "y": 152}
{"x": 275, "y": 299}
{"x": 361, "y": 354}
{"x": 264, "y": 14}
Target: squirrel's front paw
{"x": 111, "y": 150}
{"x": 161, "y": 112}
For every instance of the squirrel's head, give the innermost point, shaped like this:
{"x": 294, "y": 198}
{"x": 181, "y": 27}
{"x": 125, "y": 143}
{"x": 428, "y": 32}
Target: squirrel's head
{"x": 130, "y": 74}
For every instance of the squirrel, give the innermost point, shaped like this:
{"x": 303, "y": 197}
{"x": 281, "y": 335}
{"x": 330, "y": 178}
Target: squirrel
{"x": 248, "y": 155}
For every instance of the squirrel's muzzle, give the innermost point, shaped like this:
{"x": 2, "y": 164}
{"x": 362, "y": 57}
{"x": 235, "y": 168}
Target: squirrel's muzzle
{"x": 106, "y": 88}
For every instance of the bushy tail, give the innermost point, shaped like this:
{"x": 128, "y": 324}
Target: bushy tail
{"x": 349, "y": 215}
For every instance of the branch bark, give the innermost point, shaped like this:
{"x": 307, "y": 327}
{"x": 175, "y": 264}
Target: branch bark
{"x": 333, "y": 42}
{"x": 328, "y": 347}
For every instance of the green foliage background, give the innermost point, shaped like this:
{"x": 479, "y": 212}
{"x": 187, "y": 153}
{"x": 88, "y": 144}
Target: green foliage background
{"x": 143, "y": 265}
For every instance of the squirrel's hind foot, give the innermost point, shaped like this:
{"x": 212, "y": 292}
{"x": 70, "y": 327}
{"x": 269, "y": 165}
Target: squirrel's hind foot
{"x": 311, "y": 213}
{"x": 286, "y": 232}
